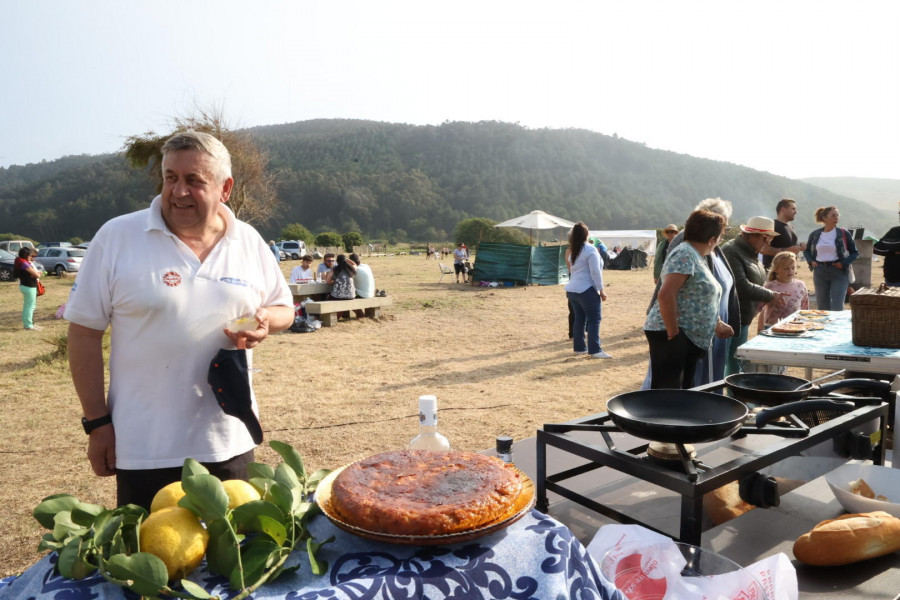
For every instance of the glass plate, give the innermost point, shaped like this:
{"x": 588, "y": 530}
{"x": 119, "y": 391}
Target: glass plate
{"x": 523, "y": 504}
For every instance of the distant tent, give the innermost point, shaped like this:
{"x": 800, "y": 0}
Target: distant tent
{"x": 644, "y": 239}
{"x": 545, "y": 265}
{"x": 629, "y": 259}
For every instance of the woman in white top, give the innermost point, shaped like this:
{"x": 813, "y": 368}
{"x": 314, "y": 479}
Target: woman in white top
{"x": 585, "y": 291}
{"x": 830, "y": 251}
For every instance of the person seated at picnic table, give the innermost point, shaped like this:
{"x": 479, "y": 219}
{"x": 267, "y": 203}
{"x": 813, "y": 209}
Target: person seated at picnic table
{"x": 303, "y": 272}
{"x": 341, "y": 280}
{"x": 363, "y": 281}
{"x": 326, "y": 265}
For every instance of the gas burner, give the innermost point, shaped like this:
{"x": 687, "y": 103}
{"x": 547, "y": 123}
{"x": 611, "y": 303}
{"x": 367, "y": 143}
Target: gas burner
{"x": 692, "y": 472}
{"x": 667, "y": 453}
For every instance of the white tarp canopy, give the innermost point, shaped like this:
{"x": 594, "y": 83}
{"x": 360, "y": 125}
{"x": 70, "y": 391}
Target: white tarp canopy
{"x": 644, "y": 239}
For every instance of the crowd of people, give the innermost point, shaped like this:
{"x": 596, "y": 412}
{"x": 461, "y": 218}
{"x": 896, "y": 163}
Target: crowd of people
{"x": 707, "y": 297}
{"x": 197, "y": 268}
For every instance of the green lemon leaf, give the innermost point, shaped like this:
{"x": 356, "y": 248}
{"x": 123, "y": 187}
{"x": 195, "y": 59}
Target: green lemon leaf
{"x": 291, "y": 457}
{"x": 63, "y": 526}
{"x": 50, "y": 506}
{"x": 260, "y": 470}
{"x": 204, "y": 496}
{"x": 105, "y": 529}
{"x": 312, "y": 547}
{"x": 71, "y": 565}
{"x": 258, "y": 555}
{"x": 145, "y": 572}
{"x": 132, "y": 514}
{"x": 85, "y": 514}
{"x": 286, "y": 476}
{"x": 315, "y": 479}
{"x": 282, "y": 497}
{"x": 48, "y": 542}
{"x": 263, "y": 484}
{"x": 262, "y": 517}
{"x": 223, "y": 553}
{"x": 192, "y": 467}
{"x": 195, "y": 590}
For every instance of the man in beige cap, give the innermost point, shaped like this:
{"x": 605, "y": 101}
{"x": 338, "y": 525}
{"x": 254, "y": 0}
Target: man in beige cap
{"x": 662, "y": 250}
{"x": 749, "y": 278}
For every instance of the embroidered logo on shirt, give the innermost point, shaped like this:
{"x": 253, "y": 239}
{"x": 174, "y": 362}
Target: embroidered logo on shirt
{"x": 234, "y": 281}
{"x": 171, "y": 278}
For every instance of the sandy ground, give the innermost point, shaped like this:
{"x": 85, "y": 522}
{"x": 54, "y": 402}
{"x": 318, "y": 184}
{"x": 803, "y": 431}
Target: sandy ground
{"x": 498, "y": 360}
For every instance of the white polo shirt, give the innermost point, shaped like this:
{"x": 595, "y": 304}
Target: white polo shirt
{"x": 168, "y": 312}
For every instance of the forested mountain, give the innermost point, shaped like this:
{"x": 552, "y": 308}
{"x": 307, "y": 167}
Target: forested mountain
{"x": 880, "y": 193}
{"x": 417, "y": 182}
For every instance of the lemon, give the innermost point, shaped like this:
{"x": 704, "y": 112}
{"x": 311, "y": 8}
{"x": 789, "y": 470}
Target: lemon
{"x": 175, "y": 535}
{"x": 167, "y": 496}
{"x": 239, "y": 492}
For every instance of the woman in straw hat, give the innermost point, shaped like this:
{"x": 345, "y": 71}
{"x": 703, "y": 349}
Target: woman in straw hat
{"x": 742, "y": 254}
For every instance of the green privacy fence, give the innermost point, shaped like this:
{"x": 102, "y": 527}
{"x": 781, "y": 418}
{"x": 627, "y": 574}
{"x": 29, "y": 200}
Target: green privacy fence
{"x": 509, "y": 262}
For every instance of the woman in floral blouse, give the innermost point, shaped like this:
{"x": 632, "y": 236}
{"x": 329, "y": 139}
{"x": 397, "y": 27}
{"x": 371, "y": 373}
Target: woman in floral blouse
{"x": 684, "y": 318}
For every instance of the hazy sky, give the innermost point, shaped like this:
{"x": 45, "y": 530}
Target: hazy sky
{"x": 796, "y": 88}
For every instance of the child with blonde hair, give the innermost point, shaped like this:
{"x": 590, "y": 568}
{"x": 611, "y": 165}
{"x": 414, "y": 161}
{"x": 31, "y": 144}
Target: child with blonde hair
{"x": 783, "y": 278}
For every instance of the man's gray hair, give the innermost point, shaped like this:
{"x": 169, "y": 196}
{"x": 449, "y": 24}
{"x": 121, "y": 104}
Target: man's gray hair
{"x": 205, "y": 143}
{"x": 716, "y": 205}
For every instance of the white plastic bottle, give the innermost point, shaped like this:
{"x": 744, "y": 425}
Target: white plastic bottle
{"x": 428, "y": 438}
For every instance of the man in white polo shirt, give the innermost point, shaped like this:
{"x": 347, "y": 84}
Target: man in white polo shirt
{"x": 167, "y": 279}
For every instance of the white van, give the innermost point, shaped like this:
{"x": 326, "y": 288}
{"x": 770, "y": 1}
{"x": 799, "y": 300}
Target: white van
{"x": 293, "y": 249}
{"x": 15, "y": 245}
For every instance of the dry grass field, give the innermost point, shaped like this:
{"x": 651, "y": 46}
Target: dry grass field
{"x": 498, "y": 360}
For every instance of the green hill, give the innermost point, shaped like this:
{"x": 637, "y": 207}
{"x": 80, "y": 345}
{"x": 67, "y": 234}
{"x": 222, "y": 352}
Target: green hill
{"x": 880, "y": 193}
{"x": 388, "y": 179}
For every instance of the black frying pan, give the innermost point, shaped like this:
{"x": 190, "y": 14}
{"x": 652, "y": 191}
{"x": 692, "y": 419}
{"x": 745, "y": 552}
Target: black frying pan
{"x": 771, "y": 389}
{"x": 691, "y": 417}
{"x": 677, "y": 416}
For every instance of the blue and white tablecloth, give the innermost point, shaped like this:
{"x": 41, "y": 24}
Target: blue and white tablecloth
{"x": 535, "y": 558}
{"x": 829, "y": 348}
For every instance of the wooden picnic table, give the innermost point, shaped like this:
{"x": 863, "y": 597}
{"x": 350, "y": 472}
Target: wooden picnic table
{"x": 302, "y": 291}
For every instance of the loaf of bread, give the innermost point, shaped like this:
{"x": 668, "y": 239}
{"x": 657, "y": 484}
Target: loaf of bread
{"x": 849, "y": 539}
{"x": 725, "y": 503}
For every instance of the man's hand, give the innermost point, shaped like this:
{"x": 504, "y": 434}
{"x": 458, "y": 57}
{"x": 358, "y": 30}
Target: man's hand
{"x": 724, "y": 330}
{"x": 602, "y": 296}
{"x": 778, "y": 300}
{"x": 102, "y": 450}
{"x": 271, "y": 320}
{"x": 251, "y": 339}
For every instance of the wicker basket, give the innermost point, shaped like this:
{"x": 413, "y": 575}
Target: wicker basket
{"x": 876, "y": 317}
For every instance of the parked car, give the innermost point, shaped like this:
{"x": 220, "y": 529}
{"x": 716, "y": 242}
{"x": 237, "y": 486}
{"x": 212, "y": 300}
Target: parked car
{"x": 54, "y": 244}
{"x": 15, "y": 245}
{"x": 292, "y": 248}
{"x": 7, "y": 262}
{"x": 60, "y": 260}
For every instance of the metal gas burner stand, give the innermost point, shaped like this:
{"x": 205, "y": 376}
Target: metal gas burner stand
{"x": 696, "y": 478}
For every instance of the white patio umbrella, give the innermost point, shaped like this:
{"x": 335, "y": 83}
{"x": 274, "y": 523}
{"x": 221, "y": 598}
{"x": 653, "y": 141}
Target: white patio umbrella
{"x": 534, "y": 222}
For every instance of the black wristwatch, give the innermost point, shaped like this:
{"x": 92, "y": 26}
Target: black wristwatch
{"x": 93, "y": 424}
